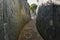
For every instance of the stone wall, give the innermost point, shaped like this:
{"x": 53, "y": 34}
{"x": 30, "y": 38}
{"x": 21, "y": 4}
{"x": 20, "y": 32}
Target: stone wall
{"x": 1, "y": 21}
{"x": 14, "y": 14}
{"x": 47, "y": 21}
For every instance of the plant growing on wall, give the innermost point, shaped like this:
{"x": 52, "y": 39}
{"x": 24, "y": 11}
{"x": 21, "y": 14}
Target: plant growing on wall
{"x": 33, "y": 7}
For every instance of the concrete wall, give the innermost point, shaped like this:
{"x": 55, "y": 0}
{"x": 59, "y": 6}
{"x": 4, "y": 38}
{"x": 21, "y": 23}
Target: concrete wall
{"x": 13, "y": 15}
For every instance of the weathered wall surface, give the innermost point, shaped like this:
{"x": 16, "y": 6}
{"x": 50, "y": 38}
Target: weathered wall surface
{"x": 43, "y": 19}
{"x": 47, "y": 21}
{"x": 13, "y": 15}
{"x": 1, "y": 20}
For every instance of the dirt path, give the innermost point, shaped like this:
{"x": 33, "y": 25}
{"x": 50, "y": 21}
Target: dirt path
{"x": 29, "y": 32}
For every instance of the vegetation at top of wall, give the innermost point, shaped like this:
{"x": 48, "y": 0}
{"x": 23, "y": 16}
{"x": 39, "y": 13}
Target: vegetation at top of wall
{"x": 33, "y": 7}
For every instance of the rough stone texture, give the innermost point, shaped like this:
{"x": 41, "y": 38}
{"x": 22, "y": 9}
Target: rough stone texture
{"x": 47, "y": 21}
{"x": 1, "y": 21}
{"x": 13, "y": 15}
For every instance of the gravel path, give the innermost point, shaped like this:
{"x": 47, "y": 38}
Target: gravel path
{"x": 29, "y": 32}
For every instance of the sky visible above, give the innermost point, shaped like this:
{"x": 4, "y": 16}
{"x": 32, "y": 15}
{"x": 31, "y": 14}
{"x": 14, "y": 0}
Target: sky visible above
{"x": 32, "y": 1}
{"x": 35, "y": 1}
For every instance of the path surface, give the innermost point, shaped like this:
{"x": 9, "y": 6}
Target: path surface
{"x": 29, "y": 32}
